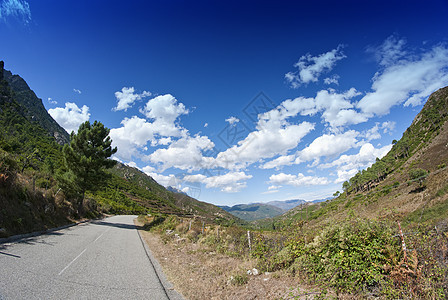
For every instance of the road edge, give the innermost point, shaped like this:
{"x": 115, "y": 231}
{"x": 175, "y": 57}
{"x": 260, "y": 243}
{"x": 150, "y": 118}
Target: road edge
{"x": 18, "y": 237}
{"x": 168, "y": 287}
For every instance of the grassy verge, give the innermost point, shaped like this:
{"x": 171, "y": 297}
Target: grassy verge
{"x": 352, "y": 259}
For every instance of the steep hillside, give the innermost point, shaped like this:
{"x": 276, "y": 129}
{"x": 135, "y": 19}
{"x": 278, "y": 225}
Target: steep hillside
{"x": 35, "y": 111}
{"x": 409, "y": 184}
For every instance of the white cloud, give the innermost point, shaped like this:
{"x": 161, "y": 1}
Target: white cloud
{"x": 332, "y": 80}
{"x": 388, "y": 126}
{"x": 132, "y": 164}
{"x": 165, "y": 180}
{"x": 148, "y": 170}
{"x": 336, "y": 108}
{"x": 230, "y": 182}
{"x": 185, "y": 154}
{"x": 374, "y": 132}
{"x": 274, "y": 135}
{"x": 205, "y": 125}
{"x": 51, "y": 101}
{"x": 133, "y": 135}
{"x": 71, "y": 116}
{"x": 127, "y": 97}
{"x": 311, "y": 67}
{"x": 328, "y": 145}
{"x": 270, "y": 192}
{"x": 232, "y": 120}
{"x": 409, "y": 80}
{"x": 164, "y": 107}
{"x": 279, "y": 161}
{"x": 390, "y": 52}
{"x": 297, "y": 180}
{"x": 77, "y": 91}
{"x": 136, "y": 132}
{"x": 18, "y": 9}
{"x": 349, "y": 165}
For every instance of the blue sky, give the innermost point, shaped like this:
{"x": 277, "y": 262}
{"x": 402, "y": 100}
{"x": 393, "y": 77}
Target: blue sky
{"x": 234, "y": 101}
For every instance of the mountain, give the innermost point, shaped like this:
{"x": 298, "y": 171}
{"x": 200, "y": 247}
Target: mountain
{"x": 271, "y": 209}
{"x": 31, "y": 167}
{"x": 410, "y": 183}
{"x": 254, "y": 211}
{"x": 286, "y": 204}
{"x": 35, "y": 110}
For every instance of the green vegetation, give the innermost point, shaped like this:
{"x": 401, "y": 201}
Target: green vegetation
{"x": 352, "y": 244}
{"x": 255, "y": 211}
{"x": 86, "y": 158}
{"x": 43, "y": 184}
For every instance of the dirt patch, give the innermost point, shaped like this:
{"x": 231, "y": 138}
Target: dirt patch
{"x": 200, "y": 274}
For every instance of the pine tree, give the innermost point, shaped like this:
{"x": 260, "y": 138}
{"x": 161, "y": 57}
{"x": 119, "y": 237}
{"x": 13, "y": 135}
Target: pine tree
{"x": 87, "y": 157}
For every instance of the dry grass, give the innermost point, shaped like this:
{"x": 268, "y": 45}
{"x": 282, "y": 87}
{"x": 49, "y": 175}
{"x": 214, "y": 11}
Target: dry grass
{"x": 198, "y": 273}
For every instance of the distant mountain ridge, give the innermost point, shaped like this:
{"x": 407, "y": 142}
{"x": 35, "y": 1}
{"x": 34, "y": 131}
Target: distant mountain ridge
{"x": 257, "y": 211}
{"x": 286, "y": 204}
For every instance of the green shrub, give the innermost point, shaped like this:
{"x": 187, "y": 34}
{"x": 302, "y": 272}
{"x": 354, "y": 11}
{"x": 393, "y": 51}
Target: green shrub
{"x": 239, "y": 279}
{"x": 350, "y": 256}
{"x": 417, "y": 173}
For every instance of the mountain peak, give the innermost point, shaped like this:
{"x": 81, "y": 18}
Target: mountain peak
{"x": 35, "y": 110}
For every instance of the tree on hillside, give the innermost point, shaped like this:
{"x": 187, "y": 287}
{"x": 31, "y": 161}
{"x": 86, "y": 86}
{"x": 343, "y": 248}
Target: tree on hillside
{"x": 86, "y": 158}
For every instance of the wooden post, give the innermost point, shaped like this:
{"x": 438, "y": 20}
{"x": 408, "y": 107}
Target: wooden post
{"x": 217, "y": 232}
{"x": 189, "y": 226}
{"x": 248, "y": 239}
{"x": 403, "y": 244}
{"x": 202, "y": 227}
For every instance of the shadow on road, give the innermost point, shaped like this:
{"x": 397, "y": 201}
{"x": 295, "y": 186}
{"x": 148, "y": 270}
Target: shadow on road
{"x": 9, "y": 254}
{"x": 118, "y": 225}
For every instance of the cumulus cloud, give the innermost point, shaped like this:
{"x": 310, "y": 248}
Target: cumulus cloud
{"x": 135, "y": 133}
{"x": 311, "y": 67}
{"x": 132, "y": 136}
{"x": 407, "y": 81}
{"x": 349, "y": 165}
{"x": 186, "y": 154}
{"x": 70, "y": 116}
{"x": 328, "y": 145}
{"x": 297, "y": 180}
{"x": 230, "y": 182}
{"x": 273, "y": 135}
{"x": 337, "y": 109}
{"x": 164, "y": 107}
{"x": 17, "y": 9}
{"x": 127, "y": 97}
{"x": 165, "y": 180}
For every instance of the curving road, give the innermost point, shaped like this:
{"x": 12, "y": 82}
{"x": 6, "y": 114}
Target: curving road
{"x": 103, "y": 259}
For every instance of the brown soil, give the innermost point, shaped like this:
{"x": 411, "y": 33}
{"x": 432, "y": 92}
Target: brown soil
{"x": 199, "y": 274}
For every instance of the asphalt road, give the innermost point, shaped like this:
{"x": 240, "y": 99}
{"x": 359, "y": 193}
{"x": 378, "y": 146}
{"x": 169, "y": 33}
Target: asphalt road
{"x": 103, "y": 259}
